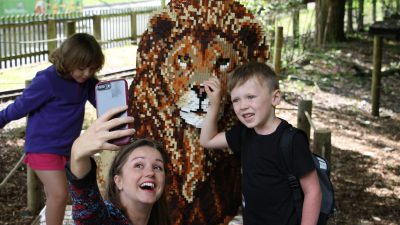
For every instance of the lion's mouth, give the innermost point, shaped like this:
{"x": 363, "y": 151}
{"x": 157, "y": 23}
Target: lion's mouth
{"x": 193, "y": 106}
{"x": 193, "y": 118}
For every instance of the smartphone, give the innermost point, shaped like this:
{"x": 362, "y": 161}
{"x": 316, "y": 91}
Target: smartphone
{"x": 111, "y": 94}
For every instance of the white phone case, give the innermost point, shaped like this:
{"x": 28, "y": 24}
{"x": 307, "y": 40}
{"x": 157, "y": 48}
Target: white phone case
{"x": 111, "y": 94}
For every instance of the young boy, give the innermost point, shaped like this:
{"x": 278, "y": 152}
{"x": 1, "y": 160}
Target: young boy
{"x": 267, "y": 199}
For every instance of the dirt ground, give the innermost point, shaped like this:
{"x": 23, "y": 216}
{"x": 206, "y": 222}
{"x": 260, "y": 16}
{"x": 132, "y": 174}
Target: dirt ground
{"x": 365, "y": 159}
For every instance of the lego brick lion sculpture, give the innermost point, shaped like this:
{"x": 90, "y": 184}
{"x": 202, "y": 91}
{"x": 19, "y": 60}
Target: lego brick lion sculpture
{"x": 185, "y": 44}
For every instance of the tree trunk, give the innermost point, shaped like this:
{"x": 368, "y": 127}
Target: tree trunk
{"x": 296, "y": 27}
{"x": 350, "y": 16}
{"x": 374, "y": 11}
{"x": 398, "y": 6}
{"x": 360, "y": 17}
{"x": 329, "y": 21}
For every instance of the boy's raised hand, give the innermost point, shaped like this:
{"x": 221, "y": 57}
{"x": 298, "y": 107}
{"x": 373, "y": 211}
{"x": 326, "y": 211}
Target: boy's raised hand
{"x": 209, "y": 136}
{"x": 213, "y": 90}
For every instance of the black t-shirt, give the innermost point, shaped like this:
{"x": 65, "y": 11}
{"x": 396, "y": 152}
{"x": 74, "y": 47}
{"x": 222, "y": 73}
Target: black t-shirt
{"x": 266, "y": 192}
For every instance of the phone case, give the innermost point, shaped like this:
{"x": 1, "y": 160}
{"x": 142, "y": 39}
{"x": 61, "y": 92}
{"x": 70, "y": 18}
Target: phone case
{"x": 111, "y": 94}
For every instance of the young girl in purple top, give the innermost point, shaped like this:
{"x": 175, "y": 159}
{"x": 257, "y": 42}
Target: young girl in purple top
{"x": 55, "y": 105}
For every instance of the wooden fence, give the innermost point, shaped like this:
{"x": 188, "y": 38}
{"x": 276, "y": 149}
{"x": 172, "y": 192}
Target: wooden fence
{"x": 29, "y": 39}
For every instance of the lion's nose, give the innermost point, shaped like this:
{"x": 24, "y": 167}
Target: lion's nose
{"x": 200, "y": 92}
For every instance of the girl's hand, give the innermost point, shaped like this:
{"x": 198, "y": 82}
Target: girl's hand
{"x": 213, "y": 90}
{"x": 96, "y": 137}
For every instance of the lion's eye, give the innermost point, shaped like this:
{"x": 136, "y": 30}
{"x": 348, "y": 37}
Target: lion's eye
{"x": 223, "y": 64}
{"x": 184, "y": 61}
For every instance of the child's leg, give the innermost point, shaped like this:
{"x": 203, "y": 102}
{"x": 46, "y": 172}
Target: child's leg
{"x": 55, "y": 187}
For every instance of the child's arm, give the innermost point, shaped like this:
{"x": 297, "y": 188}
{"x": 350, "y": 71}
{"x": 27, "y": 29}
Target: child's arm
{"x": 209, "y": 136}
{"x": 312, "y": 198}
{"x": 33, "y": 97}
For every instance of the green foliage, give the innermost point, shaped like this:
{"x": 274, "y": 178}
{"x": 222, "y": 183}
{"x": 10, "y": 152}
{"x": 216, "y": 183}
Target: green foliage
{"x": 258, "y": 8}
{"x": 13, "y": 133}
{"x": 282, "y": 6}
{"x": 18, "y": 132}
{"x": 272, "y": 6}
{"x": 272, "y": 13}
{"x": 268, "y": 11}
{"x": 389, "y": 9}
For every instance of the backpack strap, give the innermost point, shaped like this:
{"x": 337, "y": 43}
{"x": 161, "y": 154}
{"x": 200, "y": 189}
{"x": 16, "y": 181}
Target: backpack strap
{"x": 286, "y": 155}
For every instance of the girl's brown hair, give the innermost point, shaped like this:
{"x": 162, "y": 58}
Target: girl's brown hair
{"x": 159, "y": 213}
{"x": 262, "y": 71}
{"x": 79, "y": 51}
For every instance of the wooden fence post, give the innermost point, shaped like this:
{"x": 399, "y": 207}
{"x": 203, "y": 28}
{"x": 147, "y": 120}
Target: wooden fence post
{"x": 278, "y": 50}
{"x": 71, "y": 28}
{"x": 133, "y": 27}
{"x": 322, "y": 143}
{"x": 34, "y": 195}
{"x": 376, "y": 74}
{"x": 296, "y": 27}
{"x": 33, "y": 185}
{"x": 302, "y": 121}
{"x": 97, "y": 27}
{"x": 51, "y": 35}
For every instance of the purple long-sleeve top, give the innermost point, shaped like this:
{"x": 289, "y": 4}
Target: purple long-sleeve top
{"x": 55, "y": 108}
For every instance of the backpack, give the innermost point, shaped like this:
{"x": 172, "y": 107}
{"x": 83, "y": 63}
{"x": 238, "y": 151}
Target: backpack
{"x": 328, "y": 206}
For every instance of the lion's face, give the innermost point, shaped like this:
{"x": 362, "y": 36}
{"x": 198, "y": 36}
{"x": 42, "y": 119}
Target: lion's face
{"x": 188, "y": 65}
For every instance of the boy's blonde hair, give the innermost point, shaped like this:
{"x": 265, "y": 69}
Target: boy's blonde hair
{"x": 80, "y": 51}
{"x": 261, "y": 71}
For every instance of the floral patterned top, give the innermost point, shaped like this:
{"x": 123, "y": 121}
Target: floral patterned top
{"x": 88, "y": 206}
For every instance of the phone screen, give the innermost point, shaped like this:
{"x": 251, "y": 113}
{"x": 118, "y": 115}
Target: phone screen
{"x": 111, "y": 94}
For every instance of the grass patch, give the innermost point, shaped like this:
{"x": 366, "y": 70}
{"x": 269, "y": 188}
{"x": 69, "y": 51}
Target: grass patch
{"x": 115, "y": 59}
{"x": 14, "y": 78}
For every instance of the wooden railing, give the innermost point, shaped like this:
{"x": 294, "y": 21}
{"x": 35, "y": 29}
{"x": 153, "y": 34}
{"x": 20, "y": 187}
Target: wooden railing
{"x": 322, "y": 136}
{"x": 29, "y": 39}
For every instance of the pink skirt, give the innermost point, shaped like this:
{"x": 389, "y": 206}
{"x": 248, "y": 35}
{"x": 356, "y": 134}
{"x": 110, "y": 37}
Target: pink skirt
{"x": 43, "y": 161}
